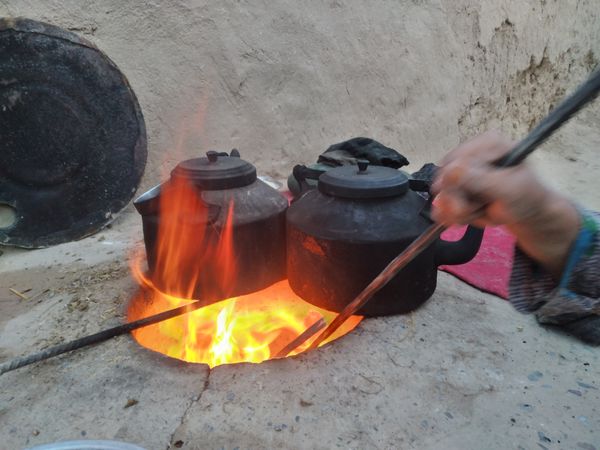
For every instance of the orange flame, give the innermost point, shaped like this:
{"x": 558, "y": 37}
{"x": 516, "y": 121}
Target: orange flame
{"x": 248, "y": 328}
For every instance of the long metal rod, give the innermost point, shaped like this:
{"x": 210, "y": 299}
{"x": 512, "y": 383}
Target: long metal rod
{"x": 585, "y": 93}
{"x": 99, "y": 337}
{"x": 297, "y": 341}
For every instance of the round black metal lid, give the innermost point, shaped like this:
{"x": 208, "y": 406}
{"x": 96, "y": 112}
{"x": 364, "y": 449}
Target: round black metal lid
{"x": 363, "y": 181}
{"x": 217, "y": 171}
{"x": 72, "y": 136}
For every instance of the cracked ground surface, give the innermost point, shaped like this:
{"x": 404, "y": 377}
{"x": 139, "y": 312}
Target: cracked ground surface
{"x": 464, "y": 371}
{"x": 175, "y": 442}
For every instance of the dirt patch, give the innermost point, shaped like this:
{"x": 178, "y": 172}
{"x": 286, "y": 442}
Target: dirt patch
{"x": 70, "y": 302}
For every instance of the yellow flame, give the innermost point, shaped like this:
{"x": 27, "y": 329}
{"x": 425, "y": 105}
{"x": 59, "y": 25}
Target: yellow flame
{"x": 249, "y": 328}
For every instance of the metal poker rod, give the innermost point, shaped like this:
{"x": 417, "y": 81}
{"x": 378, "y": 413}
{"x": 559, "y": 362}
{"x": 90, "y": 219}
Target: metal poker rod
{"x": 99, "y": 337}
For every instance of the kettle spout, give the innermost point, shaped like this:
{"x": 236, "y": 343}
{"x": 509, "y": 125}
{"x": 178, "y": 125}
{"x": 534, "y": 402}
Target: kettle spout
{"x": 147, "y": 203}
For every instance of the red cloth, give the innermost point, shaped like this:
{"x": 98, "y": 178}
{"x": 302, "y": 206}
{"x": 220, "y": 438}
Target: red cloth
{"x": 490, "y": 269}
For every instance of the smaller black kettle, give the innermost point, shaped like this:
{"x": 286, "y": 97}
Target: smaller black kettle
{"x": 225, "y": 239}
{"x": 341, "y": 235}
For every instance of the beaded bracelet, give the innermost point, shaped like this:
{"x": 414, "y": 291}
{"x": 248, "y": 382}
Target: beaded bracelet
{"x": 584, "y": 245}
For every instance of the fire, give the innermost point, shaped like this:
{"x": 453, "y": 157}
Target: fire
{"x": 248, "y": 328}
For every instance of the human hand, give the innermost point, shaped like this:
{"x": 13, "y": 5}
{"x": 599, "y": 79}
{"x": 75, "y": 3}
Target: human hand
{"x": 470, "y": 189}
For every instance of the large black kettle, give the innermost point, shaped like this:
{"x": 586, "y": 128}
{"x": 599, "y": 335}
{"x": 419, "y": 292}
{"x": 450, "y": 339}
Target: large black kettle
{"x": 342, "y": 234}
{"x": 229, "y": 237}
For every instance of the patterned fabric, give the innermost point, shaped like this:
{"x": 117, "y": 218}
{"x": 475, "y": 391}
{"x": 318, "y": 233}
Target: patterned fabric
{"x": 576, "y": 296}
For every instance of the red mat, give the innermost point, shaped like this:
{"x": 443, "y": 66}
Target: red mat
{"x": 490, "y": 270}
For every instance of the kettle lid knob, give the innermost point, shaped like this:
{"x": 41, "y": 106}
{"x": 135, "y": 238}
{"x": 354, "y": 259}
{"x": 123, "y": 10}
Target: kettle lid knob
{"x": 212, "y": 156}
{"x": 362, "y": 164}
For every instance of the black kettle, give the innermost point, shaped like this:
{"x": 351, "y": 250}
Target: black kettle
{"x": 341, "y": 235}
{"x": 230, "y": 207}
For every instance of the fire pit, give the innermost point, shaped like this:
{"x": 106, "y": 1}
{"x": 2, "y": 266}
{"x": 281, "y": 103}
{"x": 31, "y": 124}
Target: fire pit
{"x": 250, "y": 328}
{"x": 217, "y": 234}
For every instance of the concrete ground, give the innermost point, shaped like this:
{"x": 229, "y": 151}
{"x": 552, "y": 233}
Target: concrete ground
{"x": 281, "y": 82}
{"x": 464, "y": 372}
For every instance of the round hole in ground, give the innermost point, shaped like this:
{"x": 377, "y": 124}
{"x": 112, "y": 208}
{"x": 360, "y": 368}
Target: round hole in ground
{"x": 8, "y": 215}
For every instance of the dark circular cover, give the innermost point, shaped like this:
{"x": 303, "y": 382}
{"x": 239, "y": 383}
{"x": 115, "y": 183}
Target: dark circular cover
{"x": 216, "y": 171}
{"x": 363, "y": 182}
{"x": 72, "y": 136}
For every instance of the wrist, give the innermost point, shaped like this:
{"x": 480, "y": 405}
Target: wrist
{"x": 548, "y": 235}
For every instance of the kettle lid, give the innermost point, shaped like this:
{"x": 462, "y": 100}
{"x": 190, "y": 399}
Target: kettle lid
{"x": 363, "y": 181}
{"x": 216, "y": 171}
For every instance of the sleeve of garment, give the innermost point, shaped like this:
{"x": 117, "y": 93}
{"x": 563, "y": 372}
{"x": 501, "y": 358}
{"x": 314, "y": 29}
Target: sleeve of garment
{"x": 576, "y": 295}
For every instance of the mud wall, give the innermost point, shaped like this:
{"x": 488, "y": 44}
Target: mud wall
{"x": 281, "y": 80}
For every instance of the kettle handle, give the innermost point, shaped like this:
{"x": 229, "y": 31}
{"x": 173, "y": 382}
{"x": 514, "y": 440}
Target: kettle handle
{"x": 300, "y": 174}
{"x": 459, "y": 252}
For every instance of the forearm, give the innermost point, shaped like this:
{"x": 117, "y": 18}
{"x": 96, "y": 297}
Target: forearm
{"x": 547, "y": 236}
